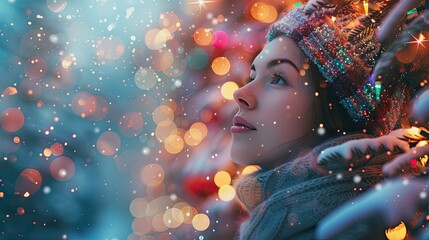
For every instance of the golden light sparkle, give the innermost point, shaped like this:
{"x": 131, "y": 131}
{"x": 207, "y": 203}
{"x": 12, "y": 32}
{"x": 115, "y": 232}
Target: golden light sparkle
{"x": 250, "y": 169}
{"x": 397, "y": 233}
{"x": 201, "y": 4}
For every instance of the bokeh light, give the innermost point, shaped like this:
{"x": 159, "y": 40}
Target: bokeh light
{"x": 28, "y": 182}
{"x": 56, "y": 5}
{"x": 158, "y": 223}
{"x": 108, "y": 143}
{"x": 200, "y": 222}
{"x": 62, "y": 168}
{"x": 203, "y": 36}
{"x": 222, "y": 178}
{"x": 228, "y": 90}
{"x": 157, "y": 190}
{"x": 84, "y": 104}
{"x": 164, "y": 130}
{"x": 156, "y": 38}
{"x": 57, "y": 149}
{"x": 201, "y": 127}
{"x": 407, "y": 54}
{"x": 20, "y": 211}
{"x": 101, "y": 110}
{"x": 263, "y": 12}
{"x": 141, "y": 226}
{"x": 221, "y": 65}
{"x": 152, "y": 174}
{"x": 109, "y": 49}
{"x": 130, "y": 124}
{"x": 61, "y": 78}
{"x": 193, "y": 137}
{"x": 12, "y": 119}
{"x": 220, "y": 39}
{"x": 145, "y": 78}
{"x": 170, "y": 21}
{"x": 30, "y": 89}
{"x": 226, "y": 193}
{"x": 35, "y": 68}
{"x": 163, "y": 59}
{"x": 138, "y": 207}
{"x": 47, "y": 152}
{"x": 177, "y": 68}
{"x": 173, "y": 218}
{"x": 68, "y": 61}
{"x": 188, "y": 214}
{"x": 197, "y": 58}
{"x": 163, "y": 113}
{"x": 9, "y": 91}
{"x": 250, "y": 169}
{"x": 174, "y": 144}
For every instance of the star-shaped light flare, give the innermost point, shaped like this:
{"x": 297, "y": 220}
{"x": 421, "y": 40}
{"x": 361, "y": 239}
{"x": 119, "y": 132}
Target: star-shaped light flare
{"x": 201, "y": 4}
{"x": 419, "y": 40}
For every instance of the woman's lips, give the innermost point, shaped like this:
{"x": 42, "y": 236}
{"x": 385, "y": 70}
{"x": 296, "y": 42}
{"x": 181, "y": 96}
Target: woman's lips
{"x": 241, "y": 129}
{"x": 241, "y": 125}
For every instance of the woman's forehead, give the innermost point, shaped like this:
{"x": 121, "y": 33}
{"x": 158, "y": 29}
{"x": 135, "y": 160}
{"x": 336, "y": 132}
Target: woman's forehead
{"x": 279, "y": 48}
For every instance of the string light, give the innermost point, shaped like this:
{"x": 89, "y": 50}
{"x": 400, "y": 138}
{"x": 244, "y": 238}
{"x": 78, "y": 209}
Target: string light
{"x": 365, "y": 6}
{"x": 398, "y": 232}
{"x": 377, "y": 90}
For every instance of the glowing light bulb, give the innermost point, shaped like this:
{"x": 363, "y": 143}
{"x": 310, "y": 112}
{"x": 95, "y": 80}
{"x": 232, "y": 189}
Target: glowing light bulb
{"x": 398, "y": 232}
{"x": 365, "y": 6}
{"x": 378, "y": 90}
{"x": 421, "y": 38}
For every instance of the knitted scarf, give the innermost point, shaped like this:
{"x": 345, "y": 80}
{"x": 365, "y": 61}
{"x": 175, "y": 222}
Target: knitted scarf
{"x": 288, "y": 201}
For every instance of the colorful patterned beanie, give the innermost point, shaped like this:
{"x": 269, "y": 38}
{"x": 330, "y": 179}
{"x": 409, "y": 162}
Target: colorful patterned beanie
{"x": 346, "y": 65}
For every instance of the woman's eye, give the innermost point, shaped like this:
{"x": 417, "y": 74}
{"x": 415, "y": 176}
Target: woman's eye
{"x": 277, "y": 79}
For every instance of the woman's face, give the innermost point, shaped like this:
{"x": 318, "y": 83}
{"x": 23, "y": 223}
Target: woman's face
{"x": 276, "y": 105}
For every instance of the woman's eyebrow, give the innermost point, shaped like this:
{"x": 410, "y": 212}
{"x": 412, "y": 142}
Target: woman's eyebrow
{"x": 275, "y": 62}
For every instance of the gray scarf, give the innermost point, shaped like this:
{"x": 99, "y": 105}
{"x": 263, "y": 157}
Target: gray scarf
{"x": 288, "y": 201}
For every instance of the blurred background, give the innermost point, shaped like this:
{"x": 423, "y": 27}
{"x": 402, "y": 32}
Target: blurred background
{"x": 115, "y": 116}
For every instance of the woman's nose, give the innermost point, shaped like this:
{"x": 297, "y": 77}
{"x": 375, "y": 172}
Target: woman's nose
{"x": 245, "y": 98}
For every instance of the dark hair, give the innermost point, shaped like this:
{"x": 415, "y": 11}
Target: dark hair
{"x": 328, "y": 110}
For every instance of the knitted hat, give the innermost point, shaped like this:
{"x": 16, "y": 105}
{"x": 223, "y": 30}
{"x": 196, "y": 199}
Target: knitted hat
{"x": 345, "y": 58}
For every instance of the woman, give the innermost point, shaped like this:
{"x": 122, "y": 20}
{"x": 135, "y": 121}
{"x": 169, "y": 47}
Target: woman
{"x": 280, "y": 108}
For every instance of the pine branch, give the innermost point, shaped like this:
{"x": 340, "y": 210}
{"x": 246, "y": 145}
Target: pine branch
{"x": 368, "y": 23}
{"x": 388, "y": 61}
{"x": 393, "y": 20}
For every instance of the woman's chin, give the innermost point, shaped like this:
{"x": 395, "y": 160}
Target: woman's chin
{"x": 237, "y": 157}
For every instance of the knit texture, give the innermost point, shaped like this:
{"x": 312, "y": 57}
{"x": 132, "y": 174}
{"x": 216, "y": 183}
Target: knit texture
{"x": 288, "y": 201}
